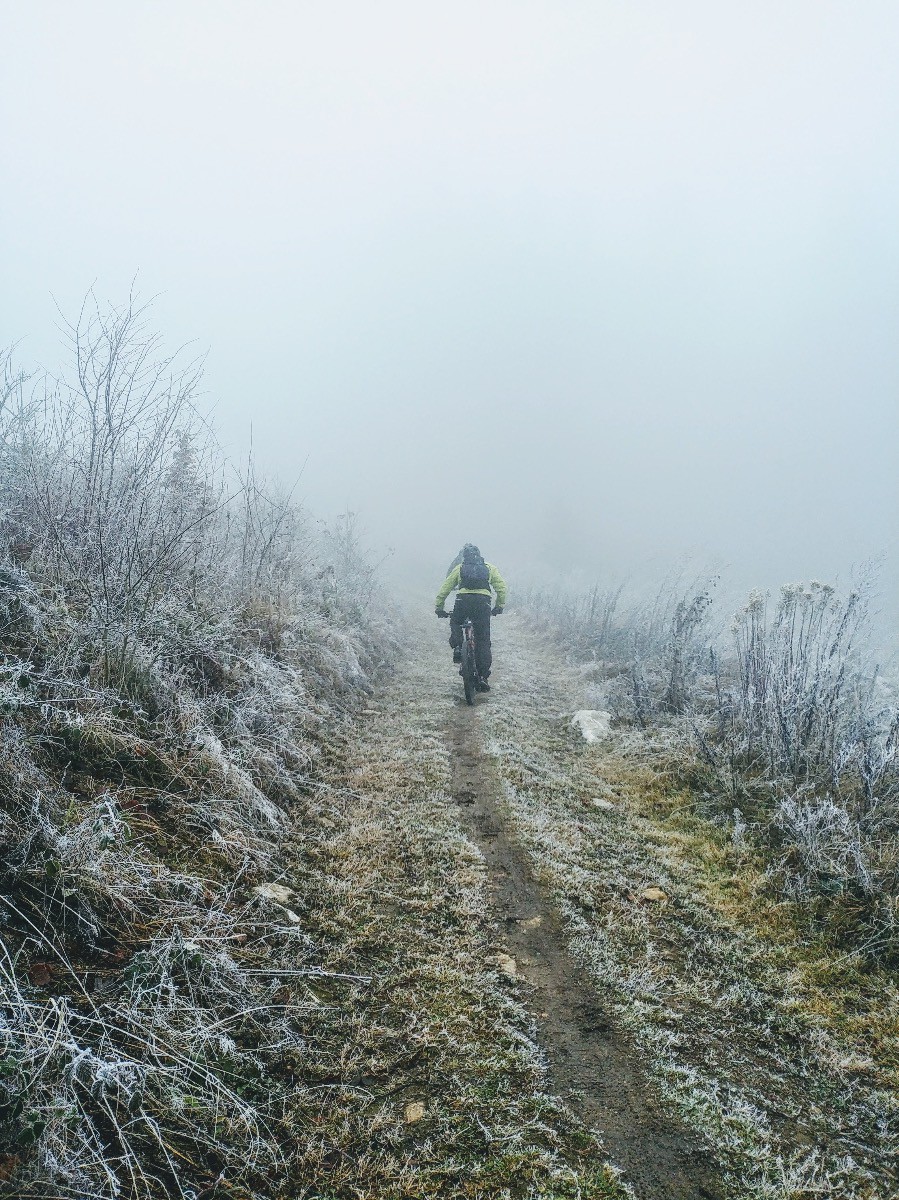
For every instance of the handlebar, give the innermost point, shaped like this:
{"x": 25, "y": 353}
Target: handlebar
{"x": 494, "y": 612}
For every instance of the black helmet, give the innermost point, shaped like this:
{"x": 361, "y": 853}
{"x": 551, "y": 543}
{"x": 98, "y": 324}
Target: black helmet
{"x": 469, "y": 550}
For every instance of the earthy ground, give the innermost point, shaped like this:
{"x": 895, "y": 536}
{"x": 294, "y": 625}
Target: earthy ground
{"x": 535, "y": 994}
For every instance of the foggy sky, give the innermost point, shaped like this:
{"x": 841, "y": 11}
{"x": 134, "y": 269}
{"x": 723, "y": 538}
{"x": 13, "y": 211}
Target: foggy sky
{"x": 587, "y": 283}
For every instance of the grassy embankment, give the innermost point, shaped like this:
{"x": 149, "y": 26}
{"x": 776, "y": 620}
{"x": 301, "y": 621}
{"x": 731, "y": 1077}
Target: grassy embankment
{"x": 179, "y": 644}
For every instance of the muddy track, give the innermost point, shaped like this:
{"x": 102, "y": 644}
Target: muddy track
{"x": 591, "y": 1064}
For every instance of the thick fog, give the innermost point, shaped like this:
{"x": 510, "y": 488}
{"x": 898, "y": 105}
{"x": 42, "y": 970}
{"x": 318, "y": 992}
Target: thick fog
{"x": 596, "y": 285}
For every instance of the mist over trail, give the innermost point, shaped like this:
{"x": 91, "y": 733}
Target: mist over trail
{"x": 591, "y": 285}
{"x": 610, "y": 290}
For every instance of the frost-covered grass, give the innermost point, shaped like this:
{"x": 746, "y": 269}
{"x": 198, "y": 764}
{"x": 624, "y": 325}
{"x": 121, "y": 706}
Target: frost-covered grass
{"x": 780, "y": 1050}
{"x": 784, "y": 727}
{"x": 178, "y": 646}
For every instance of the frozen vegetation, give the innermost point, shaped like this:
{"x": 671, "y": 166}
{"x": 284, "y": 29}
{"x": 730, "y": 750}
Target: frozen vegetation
{"x": 178, "y": 643}
{"x": 777, "y": 1048}
{"x": 248, "y": 947}
{"x": 782, "y": 724}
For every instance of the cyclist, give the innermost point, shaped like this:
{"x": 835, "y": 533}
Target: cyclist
{"x": 475, "y": 582}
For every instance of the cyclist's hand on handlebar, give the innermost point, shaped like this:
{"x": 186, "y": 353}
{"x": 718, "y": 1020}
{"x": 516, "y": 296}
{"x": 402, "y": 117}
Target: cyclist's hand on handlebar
{"x": 441, "y": 612}
{"x": 497, "y": 609}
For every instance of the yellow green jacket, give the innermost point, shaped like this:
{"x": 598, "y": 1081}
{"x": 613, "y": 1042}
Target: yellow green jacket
{"x": 454, "y": 578}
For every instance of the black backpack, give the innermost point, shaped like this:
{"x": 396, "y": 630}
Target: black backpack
{"x": 474, "y": 573}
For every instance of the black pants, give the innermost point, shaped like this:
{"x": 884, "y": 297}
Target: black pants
{"x": 478, "y": 608}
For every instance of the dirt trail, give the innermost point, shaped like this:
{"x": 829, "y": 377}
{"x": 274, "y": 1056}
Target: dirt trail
{"x": 591, "y": 1064}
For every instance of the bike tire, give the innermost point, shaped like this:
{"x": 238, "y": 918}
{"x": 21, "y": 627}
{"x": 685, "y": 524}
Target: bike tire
{"x": 469, "y": 672}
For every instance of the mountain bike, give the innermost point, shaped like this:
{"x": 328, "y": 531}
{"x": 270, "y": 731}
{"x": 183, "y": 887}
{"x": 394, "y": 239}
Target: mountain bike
{"x": 472, "y": 679}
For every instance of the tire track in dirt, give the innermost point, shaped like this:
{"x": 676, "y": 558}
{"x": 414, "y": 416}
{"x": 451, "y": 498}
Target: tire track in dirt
{"x": 591, "y": 1063}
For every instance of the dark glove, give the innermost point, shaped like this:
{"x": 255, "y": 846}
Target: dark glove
{"x": 441, "y": 612}
{"x": 496, "y": 610}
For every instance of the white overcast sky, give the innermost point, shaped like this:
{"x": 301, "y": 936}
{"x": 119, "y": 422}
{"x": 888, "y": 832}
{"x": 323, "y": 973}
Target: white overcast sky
{"x": 589, "y": 283}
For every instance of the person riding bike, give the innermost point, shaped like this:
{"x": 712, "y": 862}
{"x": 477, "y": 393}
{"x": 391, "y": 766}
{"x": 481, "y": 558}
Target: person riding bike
{"x": 475, "y": 582}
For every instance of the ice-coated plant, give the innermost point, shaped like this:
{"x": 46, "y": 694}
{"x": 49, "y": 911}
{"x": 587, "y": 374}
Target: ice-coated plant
{"x": 787, "y": 718}
{"x": 178, "y": 639}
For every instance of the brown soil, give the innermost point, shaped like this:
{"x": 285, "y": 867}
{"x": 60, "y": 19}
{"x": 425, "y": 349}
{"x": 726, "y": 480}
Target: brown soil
{"x": 590, "y": 1062}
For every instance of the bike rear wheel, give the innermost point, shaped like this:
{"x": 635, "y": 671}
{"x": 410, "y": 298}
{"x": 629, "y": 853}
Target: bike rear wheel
{"x": 469, "y": 670}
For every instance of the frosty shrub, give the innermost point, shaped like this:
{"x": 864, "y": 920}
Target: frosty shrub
{"x": 801, "y": 732}
{"x": 651, "y": 653}
{"x": 825, "y": 845}
{"x": 783, "y": 717}
{"x": 106, "y": 485}
{"x": 800, "y": 696}
{"x": 179, "y": 640}
{"x": 589, "y": 625}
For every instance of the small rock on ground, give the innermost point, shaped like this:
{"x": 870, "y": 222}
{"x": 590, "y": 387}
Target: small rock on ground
{"x": 593, "y": 723}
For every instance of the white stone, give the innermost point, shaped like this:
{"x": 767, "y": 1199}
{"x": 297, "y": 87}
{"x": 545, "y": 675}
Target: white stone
{"x": 593, "y": 723}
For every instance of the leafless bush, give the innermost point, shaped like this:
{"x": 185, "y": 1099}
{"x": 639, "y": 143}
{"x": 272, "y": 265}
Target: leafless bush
{"x": 788, "y": 722}
{"x": 589, "y": 624}
{"x": 649, "y": 651}
{"x": 800, "y": 730}
{"x": 826, "y": 843}
{"x": 178, "y": 641}
{"x": 110, "y": 478}
{"x": 800, "y": 696}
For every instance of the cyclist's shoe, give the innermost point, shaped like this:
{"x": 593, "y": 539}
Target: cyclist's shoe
{"x": 483, "y": 686}
{"x": 457, "y": 656}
